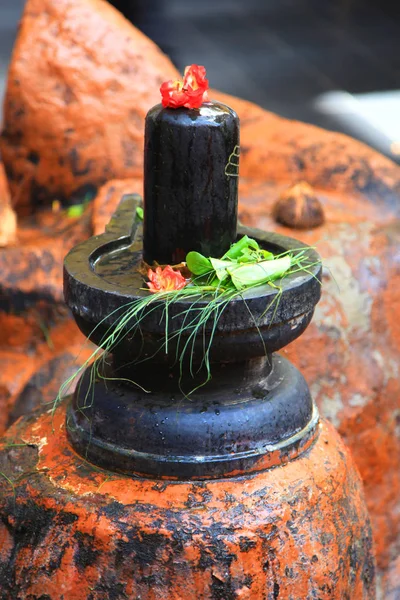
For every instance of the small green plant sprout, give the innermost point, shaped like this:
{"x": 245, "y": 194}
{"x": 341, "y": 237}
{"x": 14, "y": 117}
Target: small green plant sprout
{"x": 75, "y": 211}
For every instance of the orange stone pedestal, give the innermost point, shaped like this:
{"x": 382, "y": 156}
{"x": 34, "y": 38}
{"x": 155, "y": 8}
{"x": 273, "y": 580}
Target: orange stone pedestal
{"x": 71, "y": 531}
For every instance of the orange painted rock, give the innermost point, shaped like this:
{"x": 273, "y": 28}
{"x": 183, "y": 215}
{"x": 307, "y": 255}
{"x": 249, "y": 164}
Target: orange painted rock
{"x": 31, "y": 374}
{"x": 350, "y": 353}
{"x": 106, "y": 201}
{"x": 391, "y": 583}
{"x": 39, "y": 344}
{"x": 99, "y": 77}
{"x": 275, "y": 149}
{"x": 298, "y": 531}
{"x": 80, "y": 82}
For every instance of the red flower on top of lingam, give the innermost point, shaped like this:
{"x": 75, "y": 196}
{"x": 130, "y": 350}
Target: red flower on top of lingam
{"x": 190, "y": 93}
{"x": 165, "y": 280}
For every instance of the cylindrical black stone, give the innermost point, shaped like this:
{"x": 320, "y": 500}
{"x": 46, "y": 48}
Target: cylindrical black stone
{"x": 190, "y": 182}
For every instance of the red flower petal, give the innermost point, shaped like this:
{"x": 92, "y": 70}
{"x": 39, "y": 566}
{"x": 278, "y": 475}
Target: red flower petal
{"x": 165, "y": 280}
{"x": 191, "y": 92}
{"x": 195, "y": 79}
{"x": 172, "y": 94}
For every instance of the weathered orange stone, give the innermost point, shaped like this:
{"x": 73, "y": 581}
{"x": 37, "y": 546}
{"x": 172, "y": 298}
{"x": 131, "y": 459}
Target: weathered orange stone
{"x": 391, "y": 583}
{"x": 80, "y": 82}
{"x": 39, "y": 344}
{"x": 108, "y": 198}
{"x": 295, "y": 532}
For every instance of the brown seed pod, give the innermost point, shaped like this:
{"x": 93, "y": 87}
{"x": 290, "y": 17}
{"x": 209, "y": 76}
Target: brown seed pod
{"x": 298, "y": 207}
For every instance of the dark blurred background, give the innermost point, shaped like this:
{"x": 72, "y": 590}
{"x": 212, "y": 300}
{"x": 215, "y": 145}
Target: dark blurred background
{"x": 335, "y": 63}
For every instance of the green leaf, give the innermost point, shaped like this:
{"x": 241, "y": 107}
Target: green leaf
{"x": 249, "y": 275}
{"x": 251, "y": 255}
{"x": 139, "y": 213}
{"x": 266, "y": 255}
{"x": 76, "y": 210}
{"x": 220, "y": 267}
{"x": 237, "y": 249}
{"x": 248, "y": 255}
{"x": 198, "y": 264}
{"x": 214, "y": 282}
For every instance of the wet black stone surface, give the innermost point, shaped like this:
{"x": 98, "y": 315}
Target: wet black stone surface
{"x": 229, "y": 425}
{"x": 149, "y": 412}
{"x": 187, "y": 164}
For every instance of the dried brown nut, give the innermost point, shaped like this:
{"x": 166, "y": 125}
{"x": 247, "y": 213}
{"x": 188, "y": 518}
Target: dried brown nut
{"x": 299, "y": 208}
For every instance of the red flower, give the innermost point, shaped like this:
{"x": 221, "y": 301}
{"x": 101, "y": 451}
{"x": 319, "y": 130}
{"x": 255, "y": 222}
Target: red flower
{"x": 196, "y": 85}
{"x": 173, "y": 94}
{"x": 165, "y": 280}
{"x": 191, "y": 92}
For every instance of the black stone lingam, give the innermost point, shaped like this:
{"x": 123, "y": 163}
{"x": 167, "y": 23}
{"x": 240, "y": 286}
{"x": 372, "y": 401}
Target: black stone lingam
{"x": 190, "y": 181}
{"x": 145, "y": 412}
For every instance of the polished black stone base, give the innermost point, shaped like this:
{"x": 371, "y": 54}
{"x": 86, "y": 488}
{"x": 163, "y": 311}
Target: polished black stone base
{"x": 250, "y": 416}
{"x": 145, "y": 412}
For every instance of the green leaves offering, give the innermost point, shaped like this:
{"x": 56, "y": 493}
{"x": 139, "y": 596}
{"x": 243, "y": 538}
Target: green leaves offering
{"x": 252, "y": 274}
{"x": 243, "y": 246}
{"x": 244, "y": 265}
{"x": 221, "y": 267}
{"x": 198, "y": 264}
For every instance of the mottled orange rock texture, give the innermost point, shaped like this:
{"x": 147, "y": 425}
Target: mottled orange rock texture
{"x": 82, "y": 79}
{"x": 296, "y": 532}
{"x": 39, "y": 344}
{"x": 80, "y": 82}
